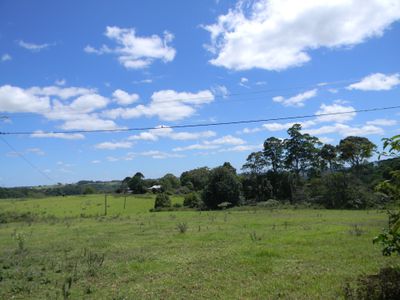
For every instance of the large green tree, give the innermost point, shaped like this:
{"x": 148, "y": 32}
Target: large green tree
{"x": 196, "y": 178}
{"x": 223, "y": 186}
{"x": 356, "y": 150}
{"x": 274, "y": 153}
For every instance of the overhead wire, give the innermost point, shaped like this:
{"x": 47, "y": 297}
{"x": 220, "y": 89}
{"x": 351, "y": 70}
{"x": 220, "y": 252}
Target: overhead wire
{"x": 19, "y": 154}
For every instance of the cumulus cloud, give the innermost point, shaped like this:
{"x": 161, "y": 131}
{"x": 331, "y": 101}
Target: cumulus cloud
{"x": 382, "y": 122}
{"x": 376, "y": 82}
{"x": 136, "y": 52}
{"x": 337, "y": 109}
{"x": 33, "y": 47}
{"x": 66, "y": 136}
{"x": 346, "y": 130}
{"x": 220, "y": 90}
{"x": 123, "y": 98}
{"x": 166, "y": 132}
{"x": 14, "y": 99}
{"x": 113, "y": 146}
{"x": 213, "y": 144}
{"x": 168, "y": 105}
{"x": 298, "y": 100}
{"x": 279, "y": 34}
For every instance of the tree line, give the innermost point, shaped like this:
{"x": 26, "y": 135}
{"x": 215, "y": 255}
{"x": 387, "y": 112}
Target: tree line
{"x": 298, "y": 169}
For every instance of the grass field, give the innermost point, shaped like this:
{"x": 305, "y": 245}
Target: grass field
{"x": 69, "y": 250}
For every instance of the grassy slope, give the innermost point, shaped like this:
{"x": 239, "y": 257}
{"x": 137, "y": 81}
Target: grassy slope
{"x": 296, "y": 254}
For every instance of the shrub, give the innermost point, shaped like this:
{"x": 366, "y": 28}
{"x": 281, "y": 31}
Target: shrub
{"x": 270, "y": 203}
{"x": 384, "y": 285}
{"x": 182, "y": 227}
{"x": 162, "y": 200}
{"x": 192, "y": 200}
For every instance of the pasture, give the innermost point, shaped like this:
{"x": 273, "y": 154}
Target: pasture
{"x": 67, "y": 249}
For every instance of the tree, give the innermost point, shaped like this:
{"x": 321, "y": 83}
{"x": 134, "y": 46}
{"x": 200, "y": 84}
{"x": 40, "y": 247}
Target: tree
{"x": 356, "y": 150}
{"x": 390, "y": 238}
{"x": 192, "y": 200}
{"x": 255, "y": 163}
{"x": 162, "y": 200}
{"x": 169, "y": 182}
{"x": 223, "y": 186}
{"x": 329, "y": 156}
{"x": 301, "y": 150}
{"x": 273, "y": 153}
{"x": 136, "y": 184}
{"x": 196, "y": 178}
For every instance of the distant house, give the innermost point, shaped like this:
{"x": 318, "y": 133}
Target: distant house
{"x": 155, "y": 188}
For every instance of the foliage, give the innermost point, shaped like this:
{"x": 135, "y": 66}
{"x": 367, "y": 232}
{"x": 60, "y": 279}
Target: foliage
{"x": 136, "y": 184}
{"x": 382, "y": 286}
{"x": 355, "y": 150}
{"x": 195, "y": 179}
{"x": 192, "y": 200}
{"x": 182, "y": 227}
{"x": 224, "y": 186}
{"x": 162, "y": 200}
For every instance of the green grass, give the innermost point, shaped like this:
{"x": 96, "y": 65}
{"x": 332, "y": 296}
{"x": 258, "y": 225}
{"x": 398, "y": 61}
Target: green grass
{"x": 249, "y": 254}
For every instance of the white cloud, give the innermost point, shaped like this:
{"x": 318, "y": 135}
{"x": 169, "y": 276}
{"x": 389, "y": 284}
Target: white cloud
{"x": 89, "y": 122}
{"x": 336, "y": 109}
{"x": 168, "y": 105}
{"x": 59, "y": 92}
{"x": 14, "y": 99}
{"x": 95, "y": 161}
{"x": 66, "y": 136}
{"x": 376, "y": 82}
{"x": 6, "y": 57}
{"x": 135, "y": 52}
{"x": 220, "y": 90}
{"x": 166, "y": 132}
{"x": 241, "y": 148}
{"x": 284, "y": 126}
{"x": 123, "y": 98}
{"x": 346, "y": 130}
{"x": 382, "y": 122}
{"x": 243, "y": 82}
{"x": 213, "y": 144}
{"x": 278, "y": 34}
{"x": 113, "y": 146}
{"x": 298, "y": 100}
{"x": 196, "y": 147}
{"x": 226, "y": 140}
{"x": 33, "y": 47}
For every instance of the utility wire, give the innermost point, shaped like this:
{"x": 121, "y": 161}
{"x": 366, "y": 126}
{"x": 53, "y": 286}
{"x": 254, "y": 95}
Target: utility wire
{"x": 26, "y": 160}
{"x": 204, "y": 124}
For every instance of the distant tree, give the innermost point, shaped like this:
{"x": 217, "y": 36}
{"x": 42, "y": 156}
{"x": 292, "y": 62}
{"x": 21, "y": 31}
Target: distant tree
{"x": 136, "y": 184}
{"x": 169, "y": 182}
{"x": 224, "y": 186}
{"x": 198, "y": 178}
{"x": 301, "y": 150}
{"x": 89, "y": 190}
{"x": 329, "y": 156}
{"x": 255, "y": 163}
{"x": 162, "y": 200}
{"x": 274, "y": 153}
{"x": 356, "y": 150}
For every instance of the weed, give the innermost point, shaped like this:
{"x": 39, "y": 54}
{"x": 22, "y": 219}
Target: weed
{"x": 20, "y": 238}
{"x": 356, "y": 230}
{"x": 94, "y": 261}
{"x": 182, "y": 227}
{"x": 255, "y": 237}
{"x": 66, "y": 287}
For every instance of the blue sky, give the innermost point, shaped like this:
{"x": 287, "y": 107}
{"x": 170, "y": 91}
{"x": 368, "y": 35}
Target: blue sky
{"x": 83, "y": 65}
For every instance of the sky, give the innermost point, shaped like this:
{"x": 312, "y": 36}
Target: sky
{"x": 94, "y": 65}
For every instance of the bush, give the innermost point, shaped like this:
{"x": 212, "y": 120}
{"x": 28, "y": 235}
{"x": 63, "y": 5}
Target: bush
{"x": 384, "y": 285}
{"x": 192, "y": 200}
{"x": 162, "y": 200}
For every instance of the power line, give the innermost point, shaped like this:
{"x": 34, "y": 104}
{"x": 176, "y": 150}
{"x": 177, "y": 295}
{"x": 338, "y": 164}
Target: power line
{"x": 26, "y": 160}
{"x": 204, "y": 124}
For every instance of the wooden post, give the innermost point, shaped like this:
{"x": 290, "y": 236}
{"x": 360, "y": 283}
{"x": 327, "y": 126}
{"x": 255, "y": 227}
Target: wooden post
{"x": 105, "y": 204}
{"x": 125, "y": 202}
